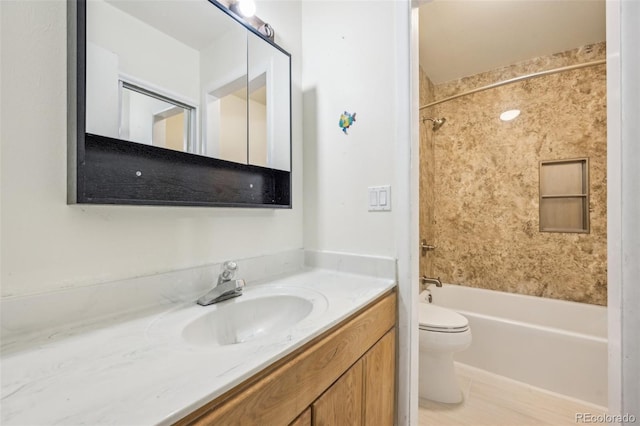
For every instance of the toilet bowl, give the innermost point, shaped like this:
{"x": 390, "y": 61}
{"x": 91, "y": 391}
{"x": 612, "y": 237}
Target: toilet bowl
{"x": 442, "y": 333}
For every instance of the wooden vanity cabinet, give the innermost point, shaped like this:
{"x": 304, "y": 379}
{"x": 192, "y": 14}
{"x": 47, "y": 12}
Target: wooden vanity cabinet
{"x": 379, "y": 372}
{"x": 344, "y": 377}
{"x": 303, "y": 419}
{"x": 365, "y": 394}
{"x": 342, "y": 402}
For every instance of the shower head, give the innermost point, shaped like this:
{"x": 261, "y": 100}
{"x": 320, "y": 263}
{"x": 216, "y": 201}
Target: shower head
{"x": 437, "y": 122}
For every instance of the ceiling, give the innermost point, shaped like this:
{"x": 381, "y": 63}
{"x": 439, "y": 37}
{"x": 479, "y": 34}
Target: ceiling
{"x": 459, "y": 38}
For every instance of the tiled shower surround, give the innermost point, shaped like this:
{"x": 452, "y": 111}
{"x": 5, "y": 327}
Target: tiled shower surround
{"x": 479, "y": 183}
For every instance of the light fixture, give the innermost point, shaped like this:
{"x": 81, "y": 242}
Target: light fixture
{"x": 509, "y": 115}
{"x": 247, "y": 8}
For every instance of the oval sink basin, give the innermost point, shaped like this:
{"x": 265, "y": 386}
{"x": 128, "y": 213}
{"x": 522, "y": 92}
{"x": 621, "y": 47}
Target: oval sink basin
{"x": 238, "y": 321}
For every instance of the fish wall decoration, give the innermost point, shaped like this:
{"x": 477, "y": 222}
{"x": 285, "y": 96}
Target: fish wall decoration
{"x": 346, "y": 120}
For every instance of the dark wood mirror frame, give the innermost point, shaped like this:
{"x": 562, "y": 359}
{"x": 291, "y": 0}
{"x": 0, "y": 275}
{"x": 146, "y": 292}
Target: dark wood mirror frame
{"x": 103, "y": 170}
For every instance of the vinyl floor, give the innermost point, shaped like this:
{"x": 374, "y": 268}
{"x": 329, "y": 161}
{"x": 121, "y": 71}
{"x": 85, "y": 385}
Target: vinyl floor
{"x": 494, "y": 400}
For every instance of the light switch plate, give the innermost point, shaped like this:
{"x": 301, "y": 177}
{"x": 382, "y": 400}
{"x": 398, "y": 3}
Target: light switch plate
{"x": 379, "y": 198}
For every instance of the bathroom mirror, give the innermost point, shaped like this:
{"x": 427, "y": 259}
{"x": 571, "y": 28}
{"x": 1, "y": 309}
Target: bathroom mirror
{"x": 192, "y": 100}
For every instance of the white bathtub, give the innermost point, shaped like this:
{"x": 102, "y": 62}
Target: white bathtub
{"x": 551, "y": 344}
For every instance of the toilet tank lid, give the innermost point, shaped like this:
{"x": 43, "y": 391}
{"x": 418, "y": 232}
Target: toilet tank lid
{"x": 434, "y": 316}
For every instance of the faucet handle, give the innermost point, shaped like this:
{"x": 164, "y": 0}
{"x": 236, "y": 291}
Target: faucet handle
{"x": 230, "y": 265}
{"x": 228, "y": 270}
{"x": 426, "y": 247}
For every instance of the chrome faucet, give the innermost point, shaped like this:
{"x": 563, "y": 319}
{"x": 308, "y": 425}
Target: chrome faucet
{"x": 426, "y": 281}
{"x": 226, "y": 288}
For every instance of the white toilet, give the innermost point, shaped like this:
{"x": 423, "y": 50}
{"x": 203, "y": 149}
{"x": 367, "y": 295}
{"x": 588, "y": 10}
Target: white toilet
{"x": 442, "y": 332}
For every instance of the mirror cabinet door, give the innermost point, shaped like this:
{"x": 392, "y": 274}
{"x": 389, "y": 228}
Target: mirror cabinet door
{"x": 153, "y": 80}
{"x": 269, "y": 105}
{"x": 223, "y": 74}
{"x": 142, "y": 74}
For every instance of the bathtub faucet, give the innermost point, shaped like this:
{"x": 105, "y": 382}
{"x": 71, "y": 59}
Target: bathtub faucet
{"x": 426, "y": 281}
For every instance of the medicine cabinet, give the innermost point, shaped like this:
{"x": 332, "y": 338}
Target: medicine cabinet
{"x": 176, "y": 103}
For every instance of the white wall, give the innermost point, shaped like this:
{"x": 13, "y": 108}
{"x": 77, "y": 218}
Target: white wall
{"x": 630, "y": 208}
{"x": 623, "y": 205}
{"x": 47, "y": 244}
{"x": 348, "y": 66}
{"x": 356, "y": 57}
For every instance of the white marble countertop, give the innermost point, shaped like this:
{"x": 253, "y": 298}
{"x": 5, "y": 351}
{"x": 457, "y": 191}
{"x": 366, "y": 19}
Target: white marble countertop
{"x": 141, "y": 372}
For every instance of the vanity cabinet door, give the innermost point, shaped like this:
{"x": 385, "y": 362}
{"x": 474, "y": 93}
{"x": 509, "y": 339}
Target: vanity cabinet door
{"x": 365, "y": 394}
{"x": 380, "y": 382}
{"x": 341, "y": 404}
{"x": 303, "y": 419}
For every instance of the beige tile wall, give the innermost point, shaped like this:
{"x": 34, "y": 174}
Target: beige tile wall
{"x": 427, "y": 174}
{"x": 479, "y": 180}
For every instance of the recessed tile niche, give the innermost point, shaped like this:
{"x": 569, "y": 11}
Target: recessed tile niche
{"x": 564, "y": 195}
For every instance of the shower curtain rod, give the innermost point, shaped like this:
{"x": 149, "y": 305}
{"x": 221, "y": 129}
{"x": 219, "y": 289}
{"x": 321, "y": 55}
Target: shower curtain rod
{"x": 517, "y": 79}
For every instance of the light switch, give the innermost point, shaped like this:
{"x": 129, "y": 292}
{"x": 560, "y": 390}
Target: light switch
{"x": 379, "y": 198}
{"x": 373, "y": 198}
{"x": 383, "y": 197}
